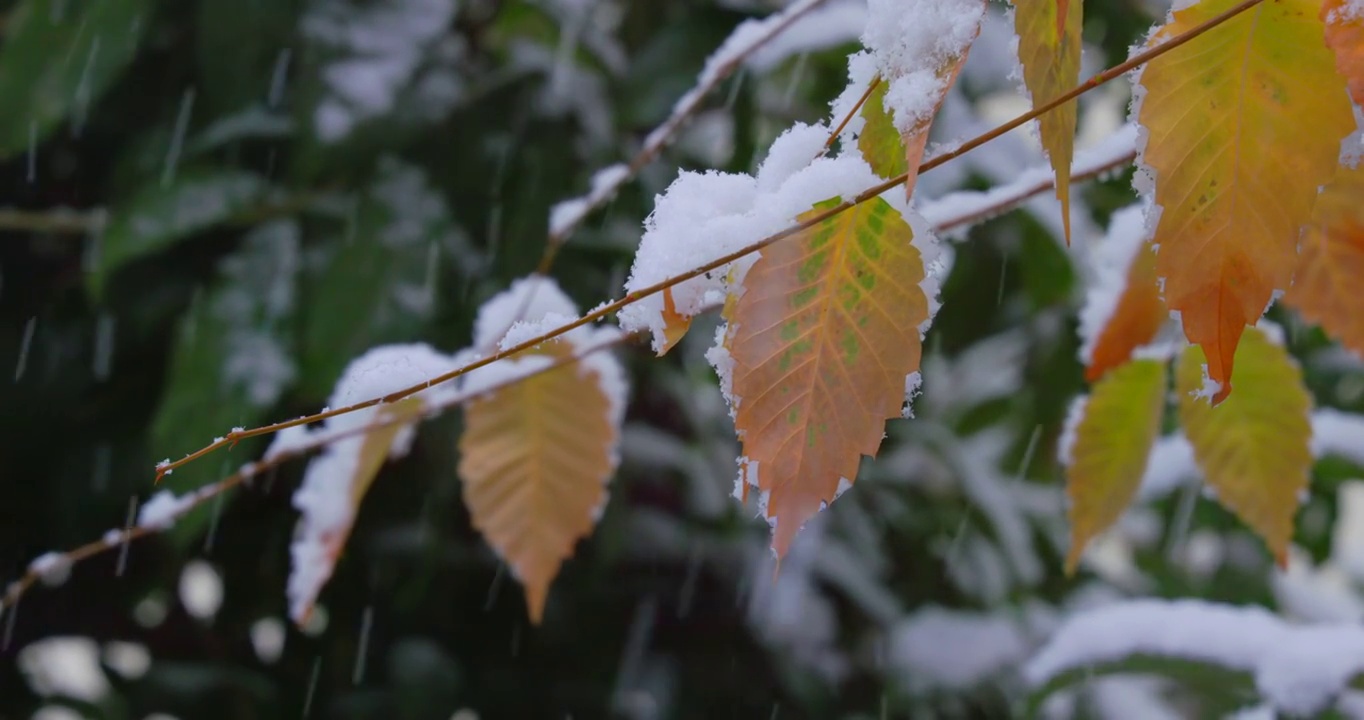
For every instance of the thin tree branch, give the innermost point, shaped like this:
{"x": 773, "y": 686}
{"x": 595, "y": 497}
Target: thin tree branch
{"x": 614, "y": 306}
{"x": 60, "y": 220}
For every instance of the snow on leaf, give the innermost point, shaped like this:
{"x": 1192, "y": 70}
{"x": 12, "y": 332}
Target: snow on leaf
{"x": 1049, "y": 49}
{"x": 879, "y": 141}
{"x": 1112, "y": 442}
{"x": 1254, "y": 448}
{"x": 1331, "y": 261}
{"x": 919, "y": 47}
{"x": 1344, "y": 21}
{"x": 1235, "y": 172}
{"x": 535, "y": 456}
{"x": 1123, "y": 308}
{"x": 822, "y": 339}
{"x": 336, "y": 481}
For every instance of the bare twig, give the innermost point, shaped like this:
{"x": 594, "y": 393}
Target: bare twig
{"x": 608, "y": 308}
{"x": 60, "y": 220}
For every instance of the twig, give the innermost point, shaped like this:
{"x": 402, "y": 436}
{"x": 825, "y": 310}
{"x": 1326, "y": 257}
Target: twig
{"x": 117, "y": 538}
{"x": 605, "y": 309}
{"x": 60, "y": 220}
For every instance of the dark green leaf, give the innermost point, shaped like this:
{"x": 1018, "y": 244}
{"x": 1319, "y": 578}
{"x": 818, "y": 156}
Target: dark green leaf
{"x": 58, "y": 57}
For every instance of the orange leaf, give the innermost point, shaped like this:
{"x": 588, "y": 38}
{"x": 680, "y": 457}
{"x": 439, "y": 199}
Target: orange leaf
{"x": 1136, "y": 319}
{"x": 1049, "y": 50}
{"x": 1331, "y": 264}
{"x": 822, "y": 339}
{"x": 535, "y": 459}
{"x": 1244, "y": 124}
{"x": 915, "y": 139}
{"x": 1345, "y": 36}
{"x": 675, "y": 324}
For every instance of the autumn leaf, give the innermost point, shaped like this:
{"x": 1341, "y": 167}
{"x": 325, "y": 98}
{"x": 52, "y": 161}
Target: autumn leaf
{"x": 315, "y": 557}
{"x": 675, "y": 324}
{"x": 879, "y": 141}
{"x": 1111, "y": 443}
{"x": 1253, "y": 449}
{"x": 1236, "y": 173}
{"x": 1344, "y": 20}
{"x": 1331, "y": 261}
{"x": 822, "y": 339}
{"x": 1049, "y": 49}
{"x": 535, "y": 459}
{"x": 1123, "y": 310}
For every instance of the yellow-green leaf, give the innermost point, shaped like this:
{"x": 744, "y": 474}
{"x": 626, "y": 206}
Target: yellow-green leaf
{"x": 1331, "y": 261}
{"x": 1111, "y": 445}
{"x": 1049, "y": 49}
{"x": 1245, "y": 124}
{"x": 879, "y": 141}
{"x": 822, "y": 338}
{"x": 535, "y": 459}
{"x": 1253, "y": 449}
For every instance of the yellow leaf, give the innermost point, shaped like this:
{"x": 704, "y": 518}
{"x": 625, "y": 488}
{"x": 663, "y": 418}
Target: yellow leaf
{"x": 1253, "y": 449}
{"x": 675, "y": 324}
{"x": 1245, "y": 124}
{"x": 388, "y": 420}
{"x": 879, "y": 141}
{"x": 1111, "y": 445}
{"x": 1345, "y": 36}
{"x": 1136, "y": 319}
{"x": 1049, "y": 49}
{"x": 822, "y": 338}
{"x": 535, "y": 459}
{"x": 1331, "y": 261}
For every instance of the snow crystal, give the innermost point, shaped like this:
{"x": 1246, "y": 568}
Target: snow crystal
{"x": 1074, "y": 416}
{"x": 65, "y": 667}
{"x": 53, "y": 568}
{"x": 911, "y": 40}
{"x": 1300, "y": 669}
{"x": 1209, "y": 389}
{"x": 1112, "y": 262}
{"x": 1347, "y": 535}
{"x": 161, "y": 510}
{"x": 566, "y": 215}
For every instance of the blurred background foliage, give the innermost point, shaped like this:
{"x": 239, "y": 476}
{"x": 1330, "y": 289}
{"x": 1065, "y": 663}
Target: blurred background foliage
{"x": 208, "y": 207}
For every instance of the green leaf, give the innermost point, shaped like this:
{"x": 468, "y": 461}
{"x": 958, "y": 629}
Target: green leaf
{"x": 1253, "y": 448}
{"x": 232, "y": 361}
{"x": 234, "y": 73}
{"x": 58, "y": 57}
{"x": 879, "y": 141}
{"x": 161, "y": 215}
{"x": 377, "y": 286}
{"x": 1112, "y": 443}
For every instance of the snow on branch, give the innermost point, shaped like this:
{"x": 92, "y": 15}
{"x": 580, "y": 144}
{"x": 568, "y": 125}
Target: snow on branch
{"x": 1300, "y": 669}
{"x": 742, "y": 43}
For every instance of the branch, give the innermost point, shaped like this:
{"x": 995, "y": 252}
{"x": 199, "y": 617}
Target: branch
{"x": 746, "y": 39}
{"x": 60, "y": 220}
{"x": 959, "y": 214}
{"x": 607, "y": 308}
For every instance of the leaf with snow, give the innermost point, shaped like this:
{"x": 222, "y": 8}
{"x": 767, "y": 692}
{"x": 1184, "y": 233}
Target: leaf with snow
{"x": 1049, "y": 50}
{"x": 1107, "y": 447}
{"x": 233, "y": 356}
{"x": 919, "y": 47}
{"x": 1123, "y": 308}
{"x": 879, "y": 140}
{"x": 1235, "y": 172}
{"x": 1254, "y": 448}
{"x": 359, "y": 442}
{"x": 58, "y": 58}
{"x": 1300, "y": 669}
{"x": 160, "y": 215}
{"x": 821, "y": 341}
{"x": 1331, "y": 261}
{"x": 1344, "y": 21}
{"x": 536, "y": 455}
